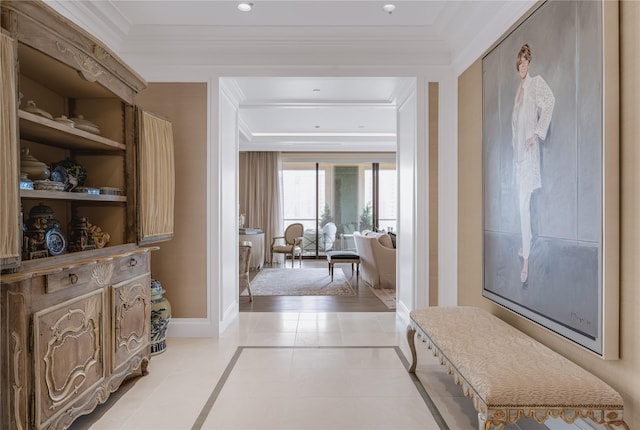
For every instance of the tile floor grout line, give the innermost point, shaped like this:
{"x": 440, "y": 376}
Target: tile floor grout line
{"x": 435, "y": 412}
{"x": 206, "y": 409}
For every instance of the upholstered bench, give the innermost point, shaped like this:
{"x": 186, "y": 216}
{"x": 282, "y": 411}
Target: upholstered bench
{"x": 508, "y": 374}
{"x": 334, "y": 257}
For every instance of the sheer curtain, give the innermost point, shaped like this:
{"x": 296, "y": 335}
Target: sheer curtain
{"x": 260, "y": 193}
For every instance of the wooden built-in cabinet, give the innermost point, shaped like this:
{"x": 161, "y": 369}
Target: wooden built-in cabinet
{"x": 74, "y": 326}
{"x": 75, "y": 331}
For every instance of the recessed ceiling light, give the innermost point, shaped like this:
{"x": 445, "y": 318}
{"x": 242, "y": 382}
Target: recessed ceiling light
{"x": 389, "y": 8}
{"x": 245, "y": 6}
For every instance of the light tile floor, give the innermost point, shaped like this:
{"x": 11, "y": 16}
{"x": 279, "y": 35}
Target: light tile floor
{"x": 277, "y": 377}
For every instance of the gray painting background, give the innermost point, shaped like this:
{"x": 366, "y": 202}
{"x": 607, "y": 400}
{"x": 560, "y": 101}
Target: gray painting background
{"x": 564, "y": 289}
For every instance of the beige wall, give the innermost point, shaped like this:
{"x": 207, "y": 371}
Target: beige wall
{"x": 181, "y": 264}
{"x": 622, "y": 374}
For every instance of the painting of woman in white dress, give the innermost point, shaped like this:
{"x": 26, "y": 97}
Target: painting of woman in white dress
{"x": 530, "y": 121}
{"x": 544, "y": 141}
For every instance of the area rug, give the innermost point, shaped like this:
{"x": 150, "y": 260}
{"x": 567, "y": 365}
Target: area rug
{"x": 300, "y": 282}
{"x": 386, "y": 296}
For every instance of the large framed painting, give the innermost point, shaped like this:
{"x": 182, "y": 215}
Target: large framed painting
{"x": 550, "y": 171}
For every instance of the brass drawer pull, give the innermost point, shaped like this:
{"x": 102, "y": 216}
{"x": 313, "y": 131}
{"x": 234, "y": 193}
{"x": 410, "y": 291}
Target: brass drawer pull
{"x": 73, "y": 278}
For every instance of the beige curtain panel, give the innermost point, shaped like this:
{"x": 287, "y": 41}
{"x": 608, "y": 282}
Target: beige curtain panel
{"x": 10, "y": 236}
{"x": 260, "y": 193}
{"x": 157, "y": 178}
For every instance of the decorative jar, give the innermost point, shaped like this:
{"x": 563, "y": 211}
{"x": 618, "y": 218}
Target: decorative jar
{"x": 160, "y": 317}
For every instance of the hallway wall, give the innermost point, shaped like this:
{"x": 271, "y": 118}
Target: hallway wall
{"x": 180, "y": 264}
{"x": 624, "y": 373}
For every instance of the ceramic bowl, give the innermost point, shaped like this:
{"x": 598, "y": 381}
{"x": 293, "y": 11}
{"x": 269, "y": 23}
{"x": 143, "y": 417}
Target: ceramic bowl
{"x": 31, "y": 107}
{"x": 36, "y": 172}
{"x": 83, "y": 124}
{"x": 34, "y": 168}
{"x": 66, "y": 121}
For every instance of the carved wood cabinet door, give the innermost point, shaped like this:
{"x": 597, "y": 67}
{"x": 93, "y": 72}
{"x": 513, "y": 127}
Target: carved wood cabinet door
{"x": 69, "y": 357}
{"x": 131, "y": 320}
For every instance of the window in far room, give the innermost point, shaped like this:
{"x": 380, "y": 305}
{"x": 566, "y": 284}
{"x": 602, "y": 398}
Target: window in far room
{"x": 334, "y": 199}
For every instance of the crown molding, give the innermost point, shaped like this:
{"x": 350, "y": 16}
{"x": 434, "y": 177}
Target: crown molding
{"x": 151, "y": 64}
{"x": 310, "y": 144}
{"x": 299, "y": 34}
{"x": 200, "y": 45}
{"x": 509, "y": 14}
{"x": 233, "y": 88}
{"x": 245, "y": 130}
{"x": 100, "y": 18}
{"x": 404, "y": 91}
{"x": 297, "y": 104}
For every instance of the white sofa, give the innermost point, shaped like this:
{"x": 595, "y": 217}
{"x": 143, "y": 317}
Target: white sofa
{"x": 377, "y": 259}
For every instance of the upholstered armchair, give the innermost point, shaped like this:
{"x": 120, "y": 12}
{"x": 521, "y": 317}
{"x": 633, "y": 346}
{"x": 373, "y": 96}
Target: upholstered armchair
{"x": 326, "y": 238}
{"x": 292, "y": 243}
{"x": 244, "y": 257}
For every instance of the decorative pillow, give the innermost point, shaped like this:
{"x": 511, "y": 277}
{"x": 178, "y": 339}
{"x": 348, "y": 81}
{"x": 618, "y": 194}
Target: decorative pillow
{"x": 385, "y": 241}
{"x": 392, "y": 236}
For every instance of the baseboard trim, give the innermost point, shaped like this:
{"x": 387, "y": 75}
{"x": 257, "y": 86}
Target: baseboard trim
{"x": 402, "y": 311}
{"x": 193, "y": 327}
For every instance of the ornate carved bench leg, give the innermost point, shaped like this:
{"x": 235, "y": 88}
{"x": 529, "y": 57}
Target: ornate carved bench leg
{"x": 483, "y": 424}
{"x": 482, "y": 421}
{"x": 412, "y": 345}
{"x": 614, "y": 425}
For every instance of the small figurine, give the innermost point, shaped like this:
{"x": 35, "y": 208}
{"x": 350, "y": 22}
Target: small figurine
{"x": 100, "y": 238}
{"x": 80, "y": 238}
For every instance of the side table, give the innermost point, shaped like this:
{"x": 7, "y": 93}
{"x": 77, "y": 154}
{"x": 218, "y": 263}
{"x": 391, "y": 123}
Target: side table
{"x": 256, "y": 237}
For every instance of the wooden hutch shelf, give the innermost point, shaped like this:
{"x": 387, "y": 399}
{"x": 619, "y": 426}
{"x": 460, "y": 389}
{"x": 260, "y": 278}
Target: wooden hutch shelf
{"x": 41, "y": 129}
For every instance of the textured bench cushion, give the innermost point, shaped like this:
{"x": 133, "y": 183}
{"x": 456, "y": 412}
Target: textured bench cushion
{"x": 342, "y": 255}
{"x": 506, "y": 368}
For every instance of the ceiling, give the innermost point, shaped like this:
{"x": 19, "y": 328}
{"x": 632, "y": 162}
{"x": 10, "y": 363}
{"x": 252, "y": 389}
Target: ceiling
{"x": 307, "y": 112}
{"x": 313, "y": 113}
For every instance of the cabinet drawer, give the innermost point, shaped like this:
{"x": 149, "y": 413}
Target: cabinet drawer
{"x": 68, "y": 277}
{"x": 132, "y": 265}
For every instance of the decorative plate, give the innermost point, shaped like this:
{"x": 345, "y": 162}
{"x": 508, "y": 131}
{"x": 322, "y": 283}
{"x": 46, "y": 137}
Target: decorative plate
{"x": 110, "y": 191}
{"x": 59, "y": 174}
{"x": 86, "y": 190}
{"x": 56, "y": 241}
{"x": 47, "y": 185}
{"x": 73, "y": 169}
